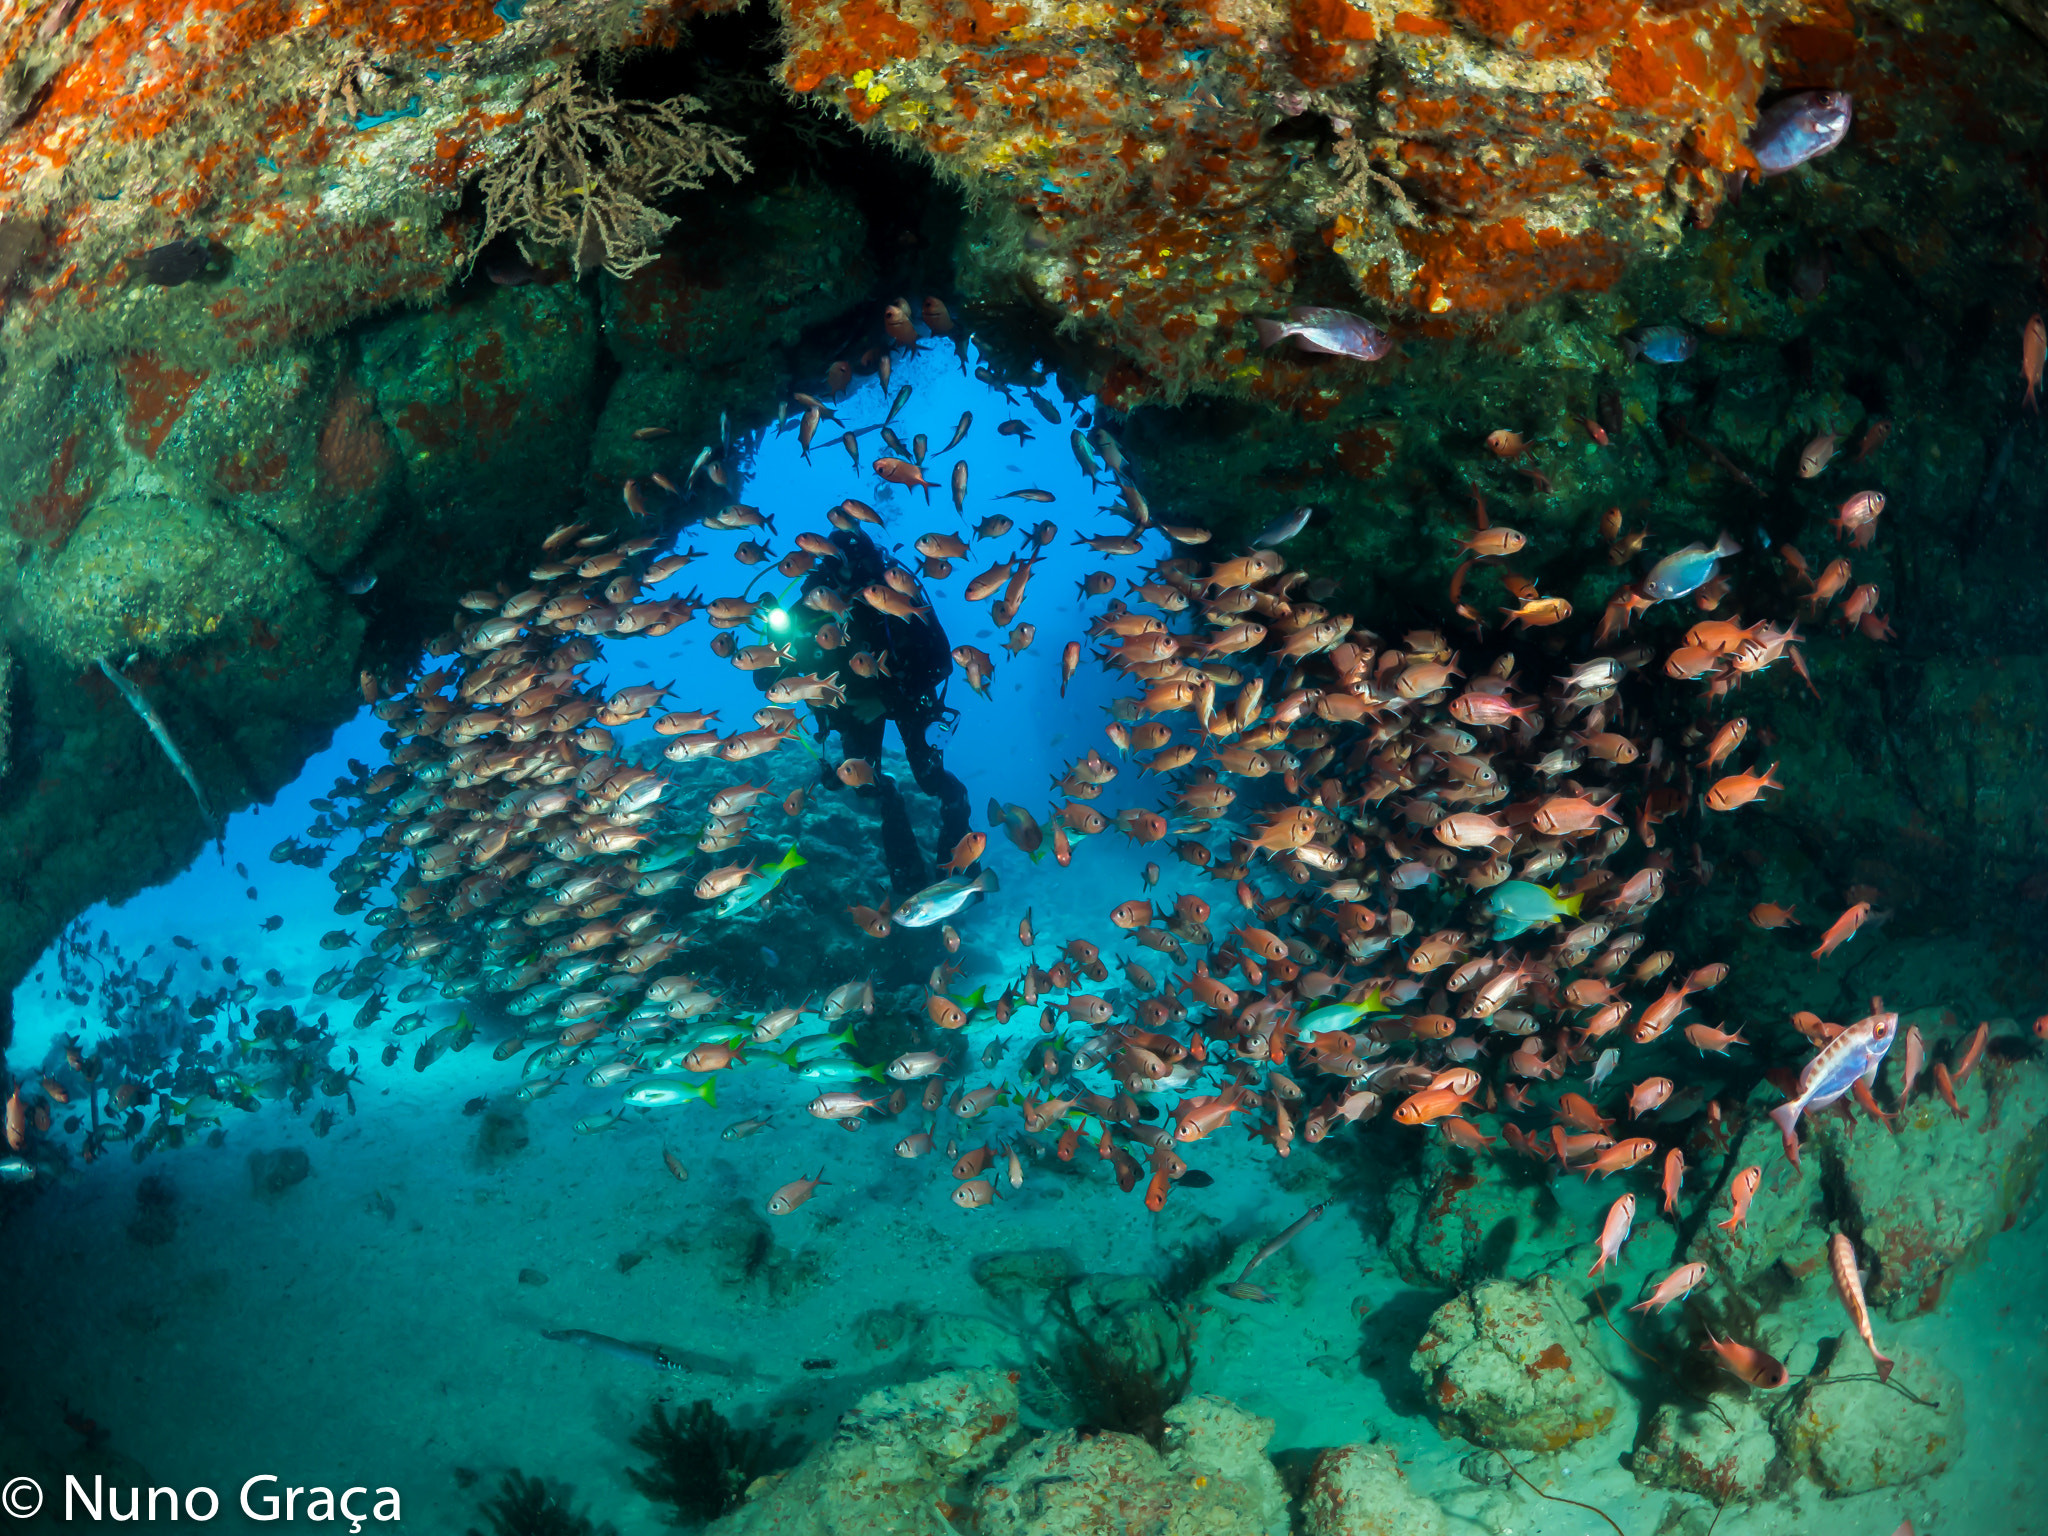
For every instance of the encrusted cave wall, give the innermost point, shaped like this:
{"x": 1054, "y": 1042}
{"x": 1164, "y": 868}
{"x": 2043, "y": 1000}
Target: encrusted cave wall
{"x": 250, "y": 358}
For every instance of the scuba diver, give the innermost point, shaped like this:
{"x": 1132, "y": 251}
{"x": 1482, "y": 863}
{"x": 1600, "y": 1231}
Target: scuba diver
{"x": 913, "y": 662}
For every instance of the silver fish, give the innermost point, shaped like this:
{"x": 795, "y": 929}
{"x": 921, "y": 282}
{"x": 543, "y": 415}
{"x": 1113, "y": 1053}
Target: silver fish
{"x": 936, "y": 903}
{"x": 1684, "y": 572}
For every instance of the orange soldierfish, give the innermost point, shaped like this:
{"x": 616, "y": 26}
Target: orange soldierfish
{"x": 1625, "y": 1154}
{"x": 1648, "y": 1095}
{"x": 1662, "y": 1014}
{"x": 1741, "y": 1190}
{"x": 1463, "y": 1133}
{"x": 1832, "y": 579}
{"x": 1613, "y": 1233}
{"x": 1738, "y": 789}
{"x": 1725, "y": 741}
{"x": 1675, "y": 1286}
{"x": 1857, "y": 518}
{"x": 1575, "y": 1111}
{"x": 966, "y": 853}
{"x": 1842, "y": 929}
{"x": 1972, "y": 1053}
{"x": 1430, "y": 1104}
{"x": 1494, "y": 541}
{"x": 1674, "y": 1176}
{"x": 1753, "y": 1365}
{"x": 1768, "y": 914}
{"x": 1704, "y": 1038}
{"x": 2033, "y": 349}
{"x": 1197, "y": 1117}
{"x": 1945, "y": 1086}
{"x": 1815, "y": 456}
{"x": 1916, "y": 1058}
{"x": 793, "y": 1194}
{"x": 1849, "y": 1285}
{"x": 974, "y": 1194}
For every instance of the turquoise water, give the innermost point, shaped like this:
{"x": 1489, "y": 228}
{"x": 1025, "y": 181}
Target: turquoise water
{"x": 312, "y": 1263}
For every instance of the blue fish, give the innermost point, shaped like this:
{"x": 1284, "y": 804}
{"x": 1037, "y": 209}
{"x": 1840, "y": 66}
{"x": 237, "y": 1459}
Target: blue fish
{"x": 1685, "y": 572}
{"x": 1659, "y": 343}
{"x": 1856, "y": 1053}
{"x": 1799, "y": 128}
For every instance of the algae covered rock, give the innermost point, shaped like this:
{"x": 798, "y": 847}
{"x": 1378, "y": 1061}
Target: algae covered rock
{"x": 1723, "y": 1456}
{"x": 1930, "y": 1193}
{"x": 1213, "y": 1479}
{"x": 1456, "y": 1221}
{"x": 892, "y": 1457}
{"x": 1850, "y": 1433}
{"x": 1786, "y": 1215}
{"x": 1360, "y": 1490}
{"x": 1219, "y": 1450}
{"x": 1069, "y": 1484}
{"x": 1504, "y": 1365}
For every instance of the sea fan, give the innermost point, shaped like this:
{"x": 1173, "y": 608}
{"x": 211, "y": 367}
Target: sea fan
{"x": 529, "y": 1506}
{"x": 701, "y": 1464}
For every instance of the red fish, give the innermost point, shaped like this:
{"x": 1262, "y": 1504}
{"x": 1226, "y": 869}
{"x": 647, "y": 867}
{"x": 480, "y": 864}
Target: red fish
{"x": 1842, "y": 929}
{"x": 1741, "y": 1191}
{"x": 1675, "y": 1286}
{"x": 1753, "y": 1365}
{"x": 2033, "y": 349}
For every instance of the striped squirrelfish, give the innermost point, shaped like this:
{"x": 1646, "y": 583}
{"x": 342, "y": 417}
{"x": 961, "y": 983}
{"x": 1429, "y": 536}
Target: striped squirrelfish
{"x": 1842, "y": 1263}
{"x": 1852, "y": 1056}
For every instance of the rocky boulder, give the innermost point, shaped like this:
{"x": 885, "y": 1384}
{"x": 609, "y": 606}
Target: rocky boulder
{"x": 1850, "y": 1433}
{"x": 1929, "y": 1193}
{"x": 1213, "y": 1478}
{"x": 1724, "y": 1453}
{"x": 1457, "y": 1219}
{"x": 1360, "y": 1490}
{"x": 891, "y": 1459}
{"x": 1505, "y": 1365}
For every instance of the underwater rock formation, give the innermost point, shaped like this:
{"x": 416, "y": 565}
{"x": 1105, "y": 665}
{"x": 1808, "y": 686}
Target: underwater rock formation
{"x": 898, "y": 1449}
{"x": 1929, "y": 1192}
{"x": 1213, "y": 1477}
{"x": 1454, "y": 1222}
{"x": 1162, "y": 175}
{"x": 1724, "y": 1453}
{"x": 1360, "y": 1490}
{"x": 1850, "y": 1433}
{"x": 1504, "y": 1365}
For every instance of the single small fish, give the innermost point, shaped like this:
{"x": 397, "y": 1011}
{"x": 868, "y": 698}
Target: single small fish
{"x": 755, "y": 887}
{"x": 1659, "y": 344}
{"x": 1849, "y": 1286}
{"x": 1685, "y": 571}
{"x": 1330, "y": 332}
{"x": 639, "y": 1354}
{"x": 936, "y": 903}
{"x": 1800, "y": 128}
{"x": 1281, "y": 529}
{"x": 1852, "y": 1056}
{"x": 793, "y": 1194}
{"x": 660, "y": 1092}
